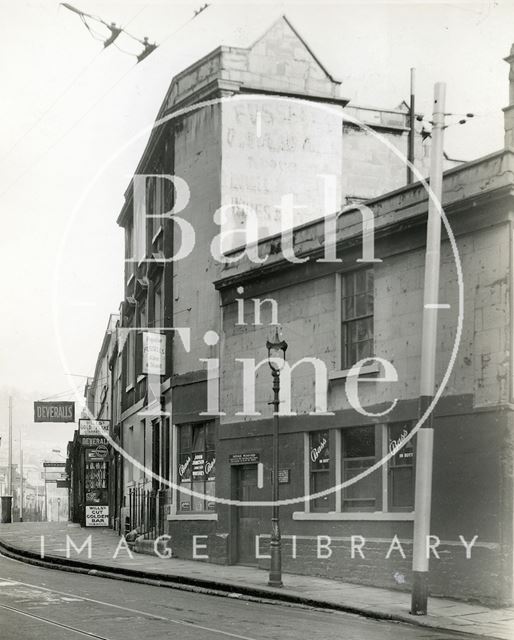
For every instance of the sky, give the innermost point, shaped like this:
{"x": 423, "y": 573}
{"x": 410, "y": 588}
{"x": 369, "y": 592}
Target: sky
{"x": 75, "y": 121}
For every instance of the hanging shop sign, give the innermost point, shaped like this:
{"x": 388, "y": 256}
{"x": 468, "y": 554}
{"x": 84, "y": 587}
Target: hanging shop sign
{"x": 54, "y": 411}
{"x": 54, "y": 465}
{"x": 154, "y": 353}
{"x": 93, "y": 427}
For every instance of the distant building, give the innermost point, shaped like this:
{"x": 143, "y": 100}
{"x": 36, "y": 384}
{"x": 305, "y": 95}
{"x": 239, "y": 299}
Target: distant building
{"x": 102, "y": 403}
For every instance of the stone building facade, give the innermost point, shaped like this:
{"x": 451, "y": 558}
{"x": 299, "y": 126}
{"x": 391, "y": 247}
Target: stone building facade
{"x": 262, "y": 150}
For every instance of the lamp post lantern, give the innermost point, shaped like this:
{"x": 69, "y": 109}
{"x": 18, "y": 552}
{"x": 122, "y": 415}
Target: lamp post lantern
{"x": 276, "y": 360}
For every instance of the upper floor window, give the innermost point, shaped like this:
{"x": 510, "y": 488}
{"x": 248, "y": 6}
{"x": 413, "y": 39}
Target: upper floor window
{"x": 158, "y": 306}
{"x": 357, "y": 290}
{"x": 129, "y": 252}
{"x": 131, "y": 357}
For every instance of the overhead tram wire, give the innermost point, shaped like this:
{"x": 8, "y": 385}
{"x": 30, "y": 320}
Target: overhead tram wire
{"x": 86, "y": 113}
{"x": 61, "y": 394}
{"x": 63, "y": 93}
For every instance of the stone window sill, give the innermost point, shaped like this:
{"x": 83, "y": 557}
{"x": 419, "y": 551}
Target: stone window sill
{"x": 355, "y": 516}
{"x": 336, "y": 375}
{"x": 192, "y": 516}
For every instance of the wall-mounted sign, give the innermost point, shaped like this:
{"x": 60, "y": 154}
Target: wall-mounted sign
{"x": 244, "y": 458}
{"x": 93, "y": 427}
{"x": 62, "y": 411}
{"x": 54, "y": 464}
{"x": 88, "y": 441}
{"x": 100, "y": 453}
{"x": 62, "y": 484}
{"x": 97, "y": 516}
{"x": 54, "y": 476}
{"x": 154, "y": 353}
{"x": 284, "y": 476}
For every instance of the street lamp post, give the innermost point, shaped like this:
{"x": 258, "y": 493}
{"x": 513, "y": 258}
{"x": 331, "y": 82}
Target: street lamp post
{"x": 276, "y": 361}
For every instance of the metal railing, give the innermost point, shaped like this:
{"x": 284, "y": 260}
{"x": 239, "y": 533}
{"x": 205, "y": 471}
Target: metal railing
{"x": 146, "y": 512}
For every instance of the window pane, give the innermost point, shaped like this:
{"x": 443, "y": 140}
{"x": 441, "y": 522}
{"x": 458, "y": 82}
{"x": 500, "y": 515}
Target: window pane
{"x": 360, "y": 280}
{"x": 364, "y": 329}
{"x": 319, "y": 482}
{"x": 402, "y": 487}
{"x": 185, "y": 499}
{"x": 184, "y": 467}
{"x": 185, "y": 438}
{"x": 352, "y": 357}
{"x": 319, "y": 450}
{"x": 370, "y": 280}
{"x": 198, "y": 464}
{"x": 348, "y": 308}
{"x": 361, "y": 494}
{"x": 348, "y": 285}
{"x": 361, "y": 304}
{"x": 198, "y": 503}
{"x": 209, "y": 490}
{"x": 405, "y": 451}
{"x": 199, "y": 438}
{"x": 210, "y": 435}
{"x": 401, "y": 470}
{"x": 357, "y": 302}
{"x": 210, "y": 466}
{"x": 359, "y": 442}
{"x": 364, "y": 350}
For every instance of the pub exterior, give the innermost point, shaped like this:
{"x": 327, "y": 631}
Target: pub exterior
{"x": 196, "y": 428}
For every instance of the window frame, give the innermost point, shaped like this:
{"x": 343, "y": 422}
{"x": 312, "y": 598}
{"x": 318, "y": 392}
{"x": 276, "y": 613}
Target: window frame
{"x": 314, "y": 473}
{"x": 190, "y": 451}
{"x": 343, "y": 323}
{"x": 383, "y": 508}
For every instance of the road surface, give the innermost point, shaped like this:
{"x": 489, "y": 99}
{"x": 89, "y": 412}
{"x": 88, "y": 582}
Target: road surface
{"x": 44, "y": 604}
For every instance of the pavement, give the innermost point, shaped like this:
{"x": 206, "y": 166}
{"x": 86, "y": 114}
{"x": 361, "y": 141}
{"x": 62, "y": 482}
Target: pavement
{"x": 23, "y": 541}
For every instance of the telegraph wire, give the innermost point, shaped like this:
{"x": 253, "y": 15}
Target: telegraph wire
{"x": 113, "y": 86}
{"x": 61, "y": 95}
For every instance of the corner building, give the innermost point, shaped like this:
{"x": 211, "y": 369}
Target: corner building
{"x": 243, "y": 128}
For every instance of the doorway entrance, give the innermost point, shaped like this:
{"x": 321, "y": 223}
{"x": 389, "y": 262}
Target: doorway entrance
{"x": 248, "y": 517}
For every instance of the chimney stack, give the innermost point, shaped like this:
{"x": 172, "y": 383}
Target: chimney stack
{"x": 509, "y": 110}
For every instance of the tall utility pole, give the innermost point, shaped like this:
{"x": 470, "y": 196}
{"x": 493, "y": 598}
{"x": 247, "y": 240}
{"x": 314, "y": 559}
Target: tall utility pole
{"x": 9, "y": 452}
{"x": 21, "y": 481}
{"x": 412, "y": 122}
{"x": 425, "y": 435}
{"x": 46, "y": 497}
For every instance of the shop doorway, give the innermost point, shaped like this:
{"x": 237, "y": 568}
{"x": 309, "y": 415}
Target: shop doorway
{"x": 248, "y": 517}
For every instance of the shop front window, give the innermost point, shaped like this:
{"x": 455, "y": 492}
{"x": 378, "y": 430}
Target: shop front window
{"x": 319, "y": 461}
{"x": 401, "y": 468}
{"x": 196, "y": 467}
{"x": 358, "y": 456}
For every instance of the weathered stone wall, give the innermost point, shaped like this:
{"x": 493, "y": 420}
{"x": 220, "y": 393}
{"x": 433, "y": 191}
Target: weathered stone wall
{"x": 274, "y": 147}
{"x": 307, "y": 313}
